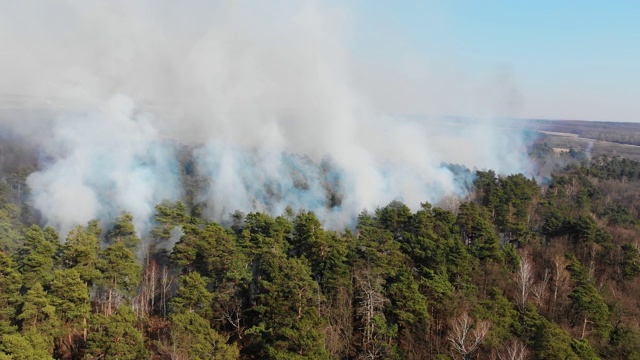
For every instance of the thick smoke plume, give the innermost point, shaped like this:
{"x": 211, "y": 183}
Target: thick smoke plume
{"x": 264, "y": 94}
{"x": 101, "y": 163}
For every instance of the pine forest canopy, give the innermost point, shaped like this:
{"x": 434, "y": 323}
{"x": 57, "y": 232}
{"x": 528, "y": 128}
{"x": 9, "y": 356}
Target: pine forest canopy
{"x": 536, "y": 269}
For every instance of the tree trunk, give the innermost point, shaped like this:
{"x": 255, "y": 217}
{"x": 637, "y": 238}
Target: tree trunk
{"x": 109, "y": 301}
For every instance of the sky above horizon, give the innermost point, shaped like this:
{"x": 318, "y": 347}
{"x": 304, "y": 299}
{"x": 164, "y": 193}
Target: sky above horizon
{"x": 531, "y": 59}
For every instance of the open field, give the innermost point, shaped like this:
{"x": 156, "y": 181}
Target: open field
{"x": 594, "y": 138}
{"x": 555, "y": 133}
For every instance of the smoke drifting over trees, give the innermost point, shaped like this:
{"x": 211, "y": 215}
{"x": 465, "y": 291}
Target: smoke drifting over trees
{"x": 263, "y": 95}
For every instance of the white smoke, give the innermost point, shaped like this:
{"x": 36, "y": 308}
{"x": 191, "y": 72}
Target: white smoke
{"x": 265, "y": 92}
{"x": 102, "y": 163}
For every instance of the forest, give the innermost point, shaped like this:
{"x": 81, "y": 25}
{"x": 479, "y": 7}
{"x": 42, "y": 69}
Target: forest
{"x": 522, "y": 268}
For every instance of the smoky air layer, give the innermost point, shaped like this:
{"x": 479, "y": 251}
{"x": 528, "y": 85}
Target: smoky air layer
{"x": 265, "y": 96}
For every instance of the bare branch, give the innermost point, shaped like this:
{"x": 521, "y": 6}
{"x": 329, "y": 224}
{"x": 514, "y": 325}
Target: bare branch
{"x": 514, "y": 350}
{"x": 524, "y": 279}
{"x": 466, "y": 334}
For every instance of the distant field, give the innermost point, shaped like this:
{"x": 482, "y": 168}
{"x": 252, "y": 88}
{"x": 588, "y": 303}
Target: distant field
{"x": 555, "y": 133}
{"x": 595, "y": 138}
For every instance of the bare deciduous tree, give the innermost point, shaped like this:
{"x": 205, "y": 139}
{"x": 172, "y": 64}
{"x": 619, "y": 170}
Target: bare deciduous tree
{"x": 572, "y": 188}
{"x": 144, "y": 303}
{"x": 524, "y": 279}
{"x": 166, "y": 282}
{"x": 451, "y": 203}
{"x": 371, "y": 301}
{"x": 513, "y": 350}
{"x": 561, "y": 277}
{"x": 339, "y": 329}
{"x": 539, "y": 290}
{"x": 465, "y": 334}
{"x": 230, "y": 308}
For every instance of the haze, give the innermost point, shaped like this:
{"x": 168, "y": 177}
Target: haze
{"x": 120, "y": 85}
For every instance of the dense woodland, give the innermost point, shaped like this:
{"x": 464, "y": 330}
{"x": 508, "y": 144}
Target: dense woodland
{"x": 521, "y": 269}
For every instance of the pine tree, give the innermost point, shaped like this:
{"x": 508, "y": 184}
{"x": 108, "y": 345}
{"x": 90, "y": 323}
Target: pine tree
{"x": 478, "y": 232}
{"x": 192, "y": 296}
{"x": 116, "y": 337}
{"x": 168, "y": 217}
{"x": 70, "y": 297}
{"x": 124, "y": 231}
{"x": 630, "y": 263}
{"x": 588, "y": 309}
{"x": 408, "y": 311}
{"x": 121, "y": 273}
{"x": 287, "y": 324}
{"x": 10, "y": 226}
{"x": 547, "y": 339}
{"x": 80, "y": 252}
{"x": 193, "y": 338}
{"x": 28, "y": 346}
{"x": 35, "y": 258}
{"x": 39, "y": 316}
{"x": 10, "y": 284}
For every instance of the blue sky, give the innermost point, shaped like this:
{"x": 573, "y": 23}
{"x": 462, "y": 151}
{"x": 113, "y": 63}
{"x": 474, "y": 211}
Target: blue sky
{"x": 562, "y": 59}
